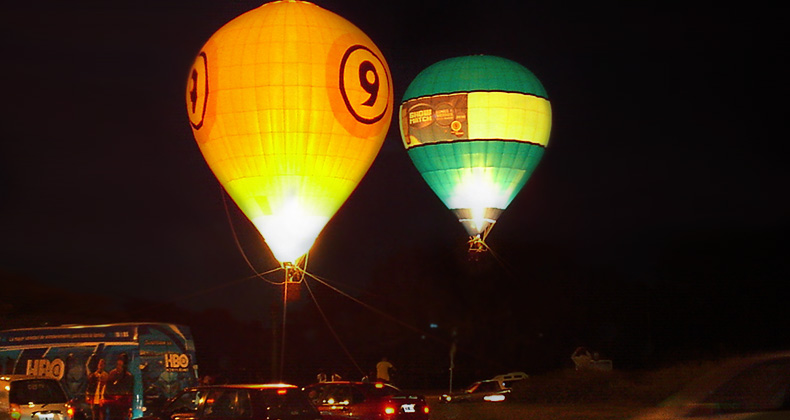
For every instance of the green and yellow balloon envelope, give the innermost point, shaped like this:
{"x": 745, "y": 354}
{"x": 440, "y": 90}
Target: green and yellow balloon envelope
{"x": 475, "y": 127}
{"x": 289, "y": 104}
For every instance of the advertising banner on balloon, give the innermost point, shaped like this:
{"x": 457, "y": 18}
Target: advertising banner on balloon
{"x": 434, "y": 119}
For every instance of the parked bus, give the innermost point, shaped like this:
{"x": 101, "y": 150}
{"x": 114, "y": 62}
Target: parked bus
{"x": 110, "y": 372}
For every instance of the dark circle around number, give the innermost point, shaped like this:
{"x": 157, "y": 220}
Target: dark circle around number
{"x": 193, "y": 94}
{"x": 369, "y": 87}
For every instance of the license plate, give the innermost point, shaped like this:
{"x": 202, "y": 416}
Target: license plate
{"x": 407, "y": 408}
{"x": 46, "y": 416}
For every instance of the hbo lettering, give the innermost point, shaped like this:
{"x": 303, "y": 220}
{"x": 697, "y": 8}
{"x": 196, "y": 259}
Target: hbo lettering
{"x": 176, "y": 361}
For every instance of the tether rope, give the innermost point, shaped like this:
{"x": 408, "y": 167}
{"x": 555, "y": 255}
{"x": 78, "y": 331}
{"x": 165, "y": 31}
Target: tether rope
{"x": 332, "y": 330}
{"x": 371, "y": 308}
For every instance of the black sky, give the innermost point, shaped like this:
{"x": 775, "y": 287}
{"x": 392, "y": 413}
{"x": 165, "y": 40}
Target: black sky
{"x": 667, "y": 120}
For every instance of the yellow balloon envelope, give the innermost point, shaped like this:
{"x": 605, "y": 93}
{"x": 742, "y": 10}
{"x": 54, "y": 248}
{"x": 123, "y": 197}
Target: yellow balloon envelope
{"x": 290, "y": 104}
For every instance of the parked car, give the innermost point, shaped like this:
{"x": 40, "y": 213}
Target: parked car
{"x": 490, "y": 390}
{"x": 231, "y": 402}
{"x": 33, "y": 398}
{"x": 366, "y": 401}
{"x": 744, "y": 388}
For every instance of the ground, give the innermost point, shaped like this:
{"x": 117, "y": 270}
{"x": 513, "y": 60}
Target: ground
{"x": 531, "y": 411}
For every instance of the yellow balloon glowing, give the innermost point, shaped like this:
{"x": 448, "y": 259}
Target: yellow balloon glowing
{"x": 290, "y": 104}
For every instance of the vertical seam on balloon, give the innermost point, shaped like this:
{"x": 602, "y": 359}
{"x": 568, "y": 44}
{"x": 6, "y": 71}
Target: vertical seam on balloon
{"x": 249, "y": 154}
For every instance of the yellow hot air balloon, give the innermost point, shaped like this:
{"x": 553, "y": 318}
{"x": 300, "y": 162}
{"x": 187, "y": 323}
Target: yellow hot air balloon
{"x": 290, "y": 104}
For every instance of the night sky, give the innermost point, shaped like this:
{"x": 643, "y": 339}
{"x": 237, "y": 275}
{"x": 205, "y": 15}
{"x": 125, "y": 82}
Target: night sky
{"x": 666, "y": 130}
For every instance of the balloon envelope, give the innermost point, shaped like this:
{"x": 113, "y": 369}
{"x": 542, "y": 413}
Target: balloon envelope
{"x": 289, "y": 104}
{"x": 475, "y": 127}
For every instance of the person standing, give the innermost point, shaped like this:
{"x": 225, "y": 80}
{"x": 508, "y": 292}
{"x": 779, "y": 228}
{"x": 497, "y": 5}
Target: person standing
{"x": 383, "y": 370}
{"x": 97, "y": 381}
{"x": 118, "y": 391}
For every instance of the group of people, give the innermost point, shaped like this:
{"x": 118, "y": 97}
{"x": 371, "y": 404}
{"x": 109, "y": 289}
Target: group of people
{"x": 322, "y": 377}
{"x": 110, "y": 393}
{"x": 383, "y": 370}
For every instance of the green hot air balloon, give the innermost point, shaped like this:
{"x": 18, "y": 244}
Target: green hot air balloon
{"x": 476, "y": 127}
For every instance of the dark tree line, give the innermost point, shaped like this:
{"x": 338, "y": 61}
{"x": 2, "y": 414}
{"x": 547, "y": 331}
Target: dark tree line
{"x": 524, "y": 307}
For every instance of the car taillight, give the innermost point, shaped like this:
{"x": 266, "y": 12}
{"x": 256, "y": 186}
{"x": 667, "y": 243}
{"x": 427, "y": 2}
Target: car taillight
{"x": 15, "y": 413}
{"x": 426, "y": 409}
{"x": 282, "y": 391}
{"x": 389, "y": 410}
{"x": 70, "y": 410}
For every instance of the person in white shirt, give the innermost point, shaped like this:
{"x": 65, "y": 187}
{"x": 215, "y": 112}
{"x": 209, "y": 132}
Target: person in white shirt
{"x": 383, "y": 370}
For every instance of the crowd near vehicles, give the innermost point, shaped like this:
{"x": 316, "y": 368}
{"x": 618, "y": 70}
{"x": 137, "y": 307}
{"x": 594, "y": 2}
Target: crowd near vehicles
{"x": 50, "y": 374}
{"x": 156, "y": 361}
{"x": 248, "y": 402}
{"x": 30, "y": 398}
{"x": 366, "y": 400}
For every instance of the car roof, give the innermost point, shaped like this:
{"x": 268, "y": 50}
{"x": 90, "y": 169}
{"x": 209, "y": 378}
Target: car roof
{"x": 245, "y": 386}
{"x": 358, "y": 385}
{"x": 375, "y": 383}
{"x": 511, "y": 375}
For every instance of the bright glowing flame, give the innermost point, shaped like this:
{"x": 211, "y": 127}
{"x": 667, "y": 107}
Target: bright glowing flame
{"x": 476, "y": 192}
{"x": 291, "y": 230}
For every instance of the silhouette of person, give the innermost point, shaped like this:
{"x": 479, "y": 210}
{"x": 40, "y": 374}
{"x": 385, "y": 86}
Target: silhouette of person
{"x": 118, "y": 392}
{"x": 97, "y": 382}
{"x": 383, "y": 370}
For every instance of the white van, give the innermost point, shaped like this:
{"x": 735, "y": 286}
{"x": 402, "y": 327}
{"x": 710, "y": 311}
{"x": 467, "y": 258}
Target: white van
{"x": 25, "y": 397}
{"x": 507, "y": 380}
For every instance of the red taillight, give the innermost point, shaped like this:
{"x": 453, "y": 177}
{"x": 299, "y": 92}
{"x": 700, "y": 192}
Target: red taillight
{"x": 282, "y": 391}
{"x": 426, "y": 409}
{"x": 389, "y": 410}
{"x": 70, "y": 410}
{"x": 15, "y": 414}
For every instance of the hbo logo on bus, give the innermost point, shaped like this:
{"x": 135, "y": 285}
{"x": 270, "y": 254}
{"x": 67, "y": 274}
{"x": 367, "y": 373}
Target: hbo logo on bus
{"x": 176, "y": 361}
{"x": 44, "y": 367}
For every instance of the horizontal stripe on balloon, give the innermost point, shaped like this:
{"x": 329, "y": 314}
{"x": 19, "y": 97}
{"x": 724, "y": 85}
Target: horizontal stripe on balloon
{"x": 475, "y": 116}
